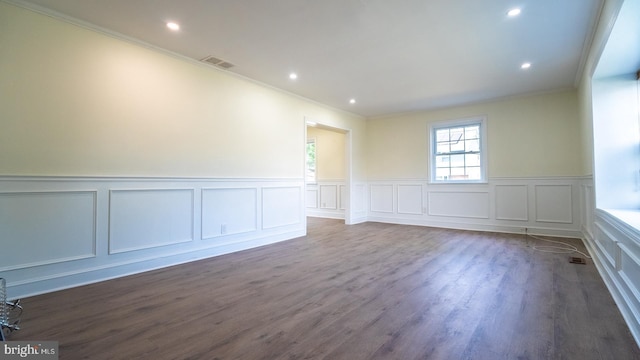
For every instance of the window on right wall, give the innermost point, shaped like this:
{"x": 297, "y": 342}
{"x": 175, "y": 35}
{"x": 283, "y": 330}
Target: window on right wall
{"x": 458, "y": 151}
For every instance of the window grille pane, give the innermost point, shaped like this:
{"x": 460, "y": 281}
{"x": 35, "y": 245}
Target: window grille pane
{"x": 442, "y": 135}
{"x": 472, "y": 159}
{"x": 442, "y": 173}
{"x": 456, "y": 134}
{"x": 442, "y": 161}
{"x": 472, "y": 132}
{"x": 457, "y": 173}
{"x": 472, "y": 145}
{"x": 473, "y": 173}
{"x": 443, "y": 148}
{"x": 457, "y": 160}
{"x": 457, "y": 146}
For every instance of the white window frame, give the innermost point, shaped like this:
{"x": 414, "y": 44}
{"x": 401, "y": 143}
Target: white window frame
{"x": 433, "y": 127}
{"x": 315, "y": 163}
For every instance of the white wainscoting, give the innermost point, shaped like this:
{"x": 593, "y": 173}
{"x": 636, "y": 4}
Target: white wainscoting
{"x": 410, "y": 199}
{"x": 32, "y": 222}
{"x": 148, "y": 218}
{"x": 546, "y": 206}
{"x": 60, "y": 232}
{"x": 219, "y": 219}
{"x": 281, "y": 206}
{"x": 327, "y": 199}
{"x": 614, "y": 245}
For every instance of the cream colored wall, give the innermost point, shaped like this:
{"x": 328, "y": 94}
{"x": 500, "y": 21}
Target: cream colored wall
{"x": 586, "y": 124}
{"x": 528, "y": 136}
{"x": 77, "y": 102}
{"x": 330, "y": 153}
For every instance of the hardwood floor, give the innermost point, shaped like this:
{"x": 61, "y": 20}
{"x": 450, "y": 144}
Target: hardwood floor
{"x": 368, "y": 291}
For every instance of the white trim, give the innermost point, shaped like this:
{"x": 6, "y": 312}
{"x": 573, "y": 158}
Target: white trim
{"x": 484, "y": 164}
{"x": 31, "y": 276}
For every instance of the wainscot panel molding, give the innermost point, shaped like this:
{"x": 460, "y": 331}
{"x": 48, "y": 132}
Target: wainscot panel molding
{"x": 219, "y": 219}
{"x": 410, "y": 199}
{"x": 614, "y": 244}
{"x": 359, "y": 203}
{"x": 59, "y": 232}
{"x": 542, "y": 205}
{"x": 31, "y": 221}
{"x": 464, "y": 204}
{"x": 146, "y": 218}
{"x": 512, "y": 202}
{"x": 554, "y": 203}
{"x": 282, "y": 206}
{"x": 381, "y": 198}
{"x": 326, "y": 199}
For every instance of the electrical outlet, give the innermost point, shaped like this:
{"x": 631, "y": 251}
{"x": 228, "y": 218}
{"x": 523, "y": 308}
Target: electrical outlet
{"x": 223, "y": 229}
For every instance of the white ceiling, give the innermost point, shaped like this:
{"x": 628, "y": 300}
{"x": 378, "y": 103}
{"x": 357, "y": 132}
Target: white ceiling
{"x": 391, "y": 56}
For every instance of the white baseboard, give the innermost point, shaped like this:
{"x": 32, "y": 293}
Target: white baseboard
{"x": 49, "y": 283}
{"x": 466, "y": 225}
{"x": 71, "y": 231}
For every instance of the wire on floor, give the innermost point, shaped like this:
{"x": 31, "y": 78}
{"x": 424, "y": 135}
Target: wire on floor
{"x": 562, "y": 248}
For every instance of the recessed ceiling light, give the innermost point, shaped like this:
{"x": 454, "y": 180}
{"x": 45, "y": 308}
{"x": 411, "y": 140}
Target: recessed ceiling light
{"x": 514, "y": 12}
{"x": 173, "y": 26}
{"x": 352, "y": 101}
{"x": 293, "y": 76}
{"x": 525, "y": 65}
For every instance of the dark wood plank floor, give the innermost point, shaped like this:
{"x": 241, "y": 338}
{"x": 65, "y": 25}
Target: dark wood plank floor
{"x": 368, "y": 291}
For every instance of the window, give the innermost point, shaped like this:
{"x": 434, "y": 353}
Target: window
{"x": 311, "y": 161}
{"x": 458, "y": 151}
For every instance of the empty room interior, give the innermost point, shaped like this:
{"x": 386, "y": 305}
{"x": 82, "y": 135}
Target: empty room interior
{"x": 290, "y": 179}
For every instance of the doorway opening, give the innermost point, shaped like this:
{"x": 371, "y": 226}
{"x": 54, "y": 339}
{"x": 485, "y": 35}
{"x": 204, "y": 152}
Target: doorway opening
{"x": 327, "y": 171}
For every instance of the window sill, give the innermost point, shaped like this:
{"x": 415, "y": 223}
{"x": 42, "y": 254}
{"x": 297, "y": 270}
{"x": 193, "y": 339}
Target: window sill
{"x": 479, "y": 182}
{"x": 630, "y": 219}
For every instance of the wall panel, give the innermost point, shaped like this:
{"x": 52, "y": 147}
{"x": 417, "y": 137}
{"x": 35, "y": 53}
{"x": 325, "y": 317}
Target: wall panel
{"x": 410, "y": 199}
{"x": 554, "y": 203}
{"x": 459, "y": 204}
{"x": 31, "y": 223}
{"x": 142, "y": 219}
{"x": 329, "y": 197}
{"x": 229, "y": 211}
{"x": 381, "y": 198}
{"x": 312, "y": 197}
{"x": 512, "y": 202}
{"x": 281, "y": 206}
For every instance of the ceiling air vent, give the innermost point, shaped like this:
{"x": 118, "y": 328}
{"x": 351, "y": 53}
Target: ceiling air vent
{"x": 217, "y": 62}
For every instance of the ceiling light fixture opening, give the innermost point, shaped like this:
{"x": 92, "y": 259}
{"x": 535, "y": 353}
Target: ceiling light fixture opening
{"x": 514, "y": 12}
{"x": 525, "y": 65}
{"x": 293, "y": 76}
{"x": 173, "y": 26}
{"x": 352, "y": 101}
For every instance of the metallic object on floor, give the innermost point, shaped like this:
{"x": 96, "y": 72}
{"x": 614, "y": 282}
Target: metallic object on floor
{"x": 10, "y": 312}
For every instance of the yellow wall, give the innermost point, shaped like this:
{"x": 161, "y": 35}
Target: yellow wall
{"x": 530, "y": 136}
{"x": 77, "y": 102}
{"x": 330, "y": 153}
